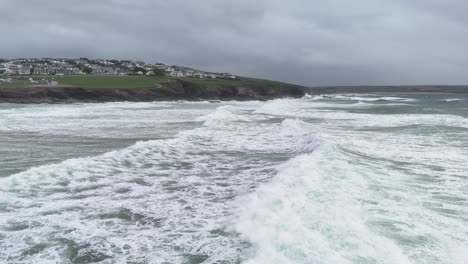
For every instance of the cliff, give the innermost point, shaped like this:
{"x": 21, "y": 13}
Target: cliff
{"x": 193, "y": 90}
{"x": 173, "y": 90}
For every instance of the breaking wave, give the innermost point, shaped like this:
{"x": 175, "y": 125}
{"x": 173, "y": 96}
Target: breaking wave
{"x": 284, "y": 181}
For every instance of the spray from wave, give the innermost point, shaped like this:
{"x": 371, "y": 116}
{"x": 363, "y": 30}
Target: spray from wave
{"x": 284, "y": 181}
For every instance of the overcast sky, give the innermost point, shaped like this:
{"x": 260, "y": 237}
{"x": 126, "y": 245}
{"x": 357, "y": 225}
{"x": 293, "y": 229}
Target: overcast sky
{"x": 333, "y": 42}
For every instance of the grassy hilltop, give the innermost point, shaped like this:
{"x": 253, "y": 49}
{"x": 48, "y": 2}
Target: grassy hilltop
{"x": 92, "y": 88}
{"x": 142, "y": 82}
{"x": 122, "y": 82}
{"x": 93, "y": 81}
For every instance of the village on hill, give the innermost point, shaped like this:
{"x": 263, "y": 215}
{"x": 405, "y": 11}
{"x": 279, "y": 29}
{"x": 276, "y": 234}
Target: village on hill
{"x": 11, "y": 68}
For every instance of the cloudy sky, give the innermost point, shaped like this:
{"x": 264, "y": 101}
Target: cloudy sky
{"x": 333, "y": 42}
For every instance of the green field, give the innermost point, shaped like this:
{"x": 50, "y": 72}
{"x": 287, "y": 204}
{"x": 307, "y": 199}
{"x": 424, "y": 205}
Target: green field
{"x": 121, "y": 82}
{"x": 243, "y": 81}
{"x": 140, "y": 82}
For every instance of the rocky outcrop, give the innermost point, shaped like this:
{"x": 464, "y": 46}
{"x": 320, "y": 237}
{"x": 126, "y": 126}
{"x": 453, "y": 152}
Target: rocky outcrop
{"x": 174, "y": 90}
{"x": 192, "y": 91}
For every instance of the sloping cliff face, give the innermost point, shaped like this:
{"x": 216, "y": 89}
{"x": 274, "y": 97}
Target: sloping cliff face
{"x": 191, "y": 91}
{"x": 175, "y": 90}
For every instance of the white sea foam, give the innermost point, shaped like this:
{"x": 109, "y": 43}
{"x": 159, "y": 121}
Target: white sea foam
{"x": 453, "y": 99}
{"x": 313, "y": 97}
{"x": 312, "y": 213}
{"x": 283, "y": 107}
{"x": 304, "y": 109}
{"x": 284, "y": 181}
{"x": 156, "y": 200}
{"x": 361, "y": 199}
{"x": 373, "y": 99}
{"x": 220, "y": 116}
{"x": 72, "y": 120}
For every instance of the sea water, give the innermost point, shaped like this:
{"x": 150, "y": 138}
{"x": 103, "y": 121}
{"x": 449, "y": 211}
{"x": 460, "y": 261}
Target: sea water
{"x": 377, "y": 178}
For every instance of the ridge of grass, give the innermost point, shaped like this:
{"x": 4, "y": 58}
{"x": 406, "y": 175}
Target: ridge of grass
{"x": 116, "y": 82}
{"x": 251, "y": 82}
{"x": 142, "y": 82}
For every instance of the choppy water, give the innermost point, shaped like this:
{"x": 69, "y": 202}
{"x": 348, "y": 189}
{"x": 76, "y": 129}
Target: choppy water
{"x": 348, "y": 179}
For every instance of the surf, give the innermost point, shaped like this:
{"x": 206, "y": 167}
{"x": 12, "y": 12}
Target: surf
{"x": 289, "y": 181}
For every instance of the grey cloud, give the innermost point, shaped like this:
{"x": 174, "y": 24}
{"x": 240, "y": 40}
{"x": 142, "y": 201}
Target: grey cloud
{"x": 334, "y": 42}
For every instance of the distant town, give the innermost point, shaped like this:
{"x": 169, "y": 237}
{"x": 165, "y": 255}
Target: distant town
{"x": 83, "y": 66}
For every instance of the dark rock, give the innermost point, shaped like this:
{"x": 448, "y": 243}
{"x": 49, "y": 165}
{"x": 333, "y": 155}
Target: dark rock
{"x": 174, "y": 90}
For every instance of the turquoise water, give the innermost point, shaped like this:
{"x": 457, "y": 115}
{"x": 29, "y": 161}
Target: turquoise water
{"x": 341, "y": 179}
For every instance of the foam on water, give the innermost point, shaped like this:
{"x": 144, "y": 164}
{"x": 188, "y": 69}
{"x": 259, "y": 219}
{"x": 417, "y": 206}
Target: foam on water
{"x": 453, "y": 99}
{"x": 96, "y": 118}
{"x": 312, "y": 213}
{"x": 365, "y": 204}
{"x": 284, "y": 181}
{"x": 364, "y": 196}
{"x": 161, "y": 200}
{"x": 304, "y": 110}
{"x": 220, "y": 117}
{"x": 373, "y": 99}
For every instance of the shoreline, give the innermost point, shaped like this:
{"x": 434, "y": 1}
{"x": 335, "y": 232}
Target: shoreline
{"x": 168, "y": 91}
{"x": 192, "y": 91}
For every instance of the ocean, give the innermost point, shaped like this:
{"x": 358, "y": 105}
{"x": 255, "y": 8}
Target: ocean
{"x": 368, "y": 178}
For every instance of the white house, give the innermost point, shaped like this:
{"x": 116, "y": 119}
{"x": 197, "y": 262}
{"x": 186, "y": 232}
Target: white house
{"x": 178, "y": 74}
{"x": 5, "y": 71}
{"x": 41, "y": 71}
{"x": 24, "y": 71}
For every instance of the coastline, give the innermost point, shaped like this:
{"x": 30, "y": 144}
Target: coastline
{"x": 168, "y": 91}
{"x": 194, "y": 91}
